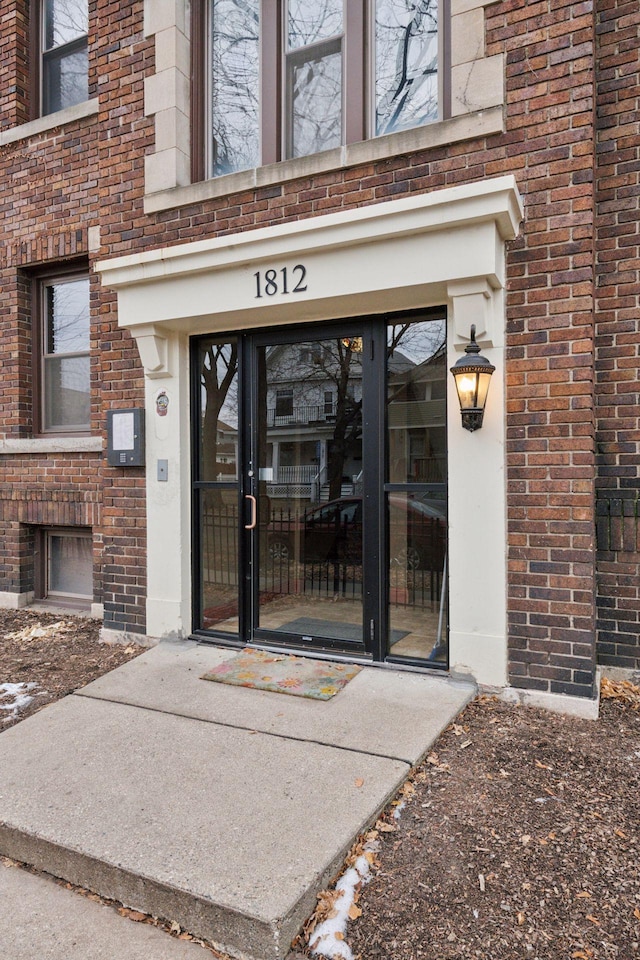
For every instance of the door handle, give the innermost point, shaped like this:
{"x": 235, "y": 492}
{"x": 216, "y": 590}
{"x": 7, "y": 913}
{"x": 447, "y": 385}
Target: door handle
{"x": 254, "y": 512}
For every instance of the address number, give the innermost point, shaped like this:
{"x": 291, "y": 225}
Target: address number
{"x": 270, "y": 282}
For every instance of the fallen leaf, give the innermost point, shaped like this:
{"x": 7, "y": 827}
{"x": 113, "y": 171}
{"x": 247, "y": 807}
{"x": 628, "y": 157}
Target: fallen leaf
{"x": 620, "y": 833}
{"x": 525, "y": 839}
{"x": 583, "y": 895}
{"x": 543, "y": 766}
{"x": 636, "y": 913}
{"x": 339, "y": 935}
{"x": 359, "y": 782}
{"x": 134, "y": 915}
{"x": 385, "y": 827}
{"x": 520, "y": 919}
{"x": 592, "y": 919}
{"x": 433, "y": 759}
{"x": 354, "y": 912}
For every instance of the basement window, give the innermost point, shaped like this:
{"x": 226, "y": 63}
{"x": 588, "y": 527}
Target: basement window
{"x": 68, "y": 562}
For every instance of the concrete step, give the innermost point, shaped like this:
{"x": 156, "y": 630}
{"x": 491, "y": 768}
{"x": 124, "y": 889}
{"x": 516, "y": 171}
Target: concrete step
{"x": 41, "y": 919}
{"x": 222, "y": 808}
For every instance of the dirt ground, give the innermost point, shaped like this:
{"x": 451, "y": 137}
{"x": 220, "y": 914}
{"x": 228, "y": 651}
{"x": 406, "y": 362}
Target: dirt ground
{"x": 54, "y": 652}
{"x": 518, "y": 837}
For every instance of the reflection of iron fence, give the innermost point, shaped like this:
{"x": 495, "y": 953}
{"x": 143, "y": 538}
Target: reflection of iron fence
{"x": 295, "y": 561}
{"x": 219, "y": 545}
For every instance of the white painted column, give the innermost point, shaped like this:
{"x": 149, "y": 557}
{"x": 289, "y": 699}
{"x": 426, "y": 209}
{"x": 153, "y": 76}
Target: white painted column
{"x": 165, "y": 356}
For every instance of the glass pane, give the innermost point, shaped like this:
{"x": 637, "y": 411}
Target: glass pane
{"x": 219, "y": 560}
{"x": 310, "y": 21}
{"x": 417, "y": 518}
{"x": 218, "y": 366}
{"x": 67, "y": 317}
{"x": 310, "y": 486}
{"x": 416, "y": 405}
{"x": 70, "y": 565}
{"x": 66, "y": 392}
{"x": 65, "y": 80}
{"x": 406, "y": 63}
{"x": 417, "y": 576}
{"x": 235, "y": 57}
{"x": 316, "y": 104}
{"x": 64, "y": 20}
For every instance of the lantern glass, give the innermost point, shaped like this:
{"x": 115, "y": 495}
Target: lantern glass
{"x": 467, "y": 387}
{"x": 472, "y": 374}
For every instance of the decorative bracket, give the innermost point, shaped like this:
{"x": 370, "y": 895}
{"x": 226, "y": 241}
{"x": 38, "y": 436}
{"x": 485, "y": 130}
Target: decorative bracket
{"x": 473, "y": 303}
{"x": 154, "y": 351}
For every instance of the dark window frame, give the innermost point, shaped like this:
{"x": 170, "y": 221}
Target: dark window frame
{"x": 356, "y": 70}
{"x": 38, "y": 56}
{"x": 60, "y": 274}
{"x": 42, "y": 558}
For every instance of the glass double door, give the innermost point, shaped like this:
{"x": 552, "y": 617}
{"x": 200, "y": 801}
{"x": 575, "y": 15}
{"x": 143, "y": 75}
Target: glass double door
{"x": 320, "y": 488}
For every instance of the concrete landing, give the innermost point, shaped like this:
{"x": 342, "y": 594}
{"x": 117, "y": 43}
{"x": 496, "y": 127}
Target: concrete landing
{"x": 223, "y": 808}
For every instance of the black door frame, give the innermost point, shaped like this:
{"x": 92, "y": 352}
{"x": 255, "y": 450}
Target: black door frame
{"x": 371, "y": 556}
{"x": 375, "y": 648}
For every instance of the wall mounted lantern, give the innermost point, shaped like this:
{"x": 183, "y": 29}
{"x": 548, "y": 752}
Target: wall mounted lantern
{"x": 472, "y": 374}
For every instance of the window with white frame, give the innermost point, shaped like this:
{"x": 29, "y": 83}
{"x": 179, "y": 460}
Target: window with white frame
{"x": 62, "y": 332}
{"x": 63, "y": 26}
{"x": 290, "y": 78}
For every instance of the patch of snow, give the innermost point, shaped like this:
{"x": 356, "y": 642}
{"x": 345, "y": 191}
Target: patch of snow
{"x": 14, "y": 697}
{"x": 327, "y": 940}
{"x": 397, "y": 813}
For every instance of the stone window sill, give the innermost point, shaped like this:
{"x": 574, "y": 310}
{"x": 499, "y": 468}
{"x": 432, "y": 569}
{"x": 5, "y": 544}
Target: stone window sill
{"x": 88, "y": 108}
{"x": 464, "y": 127}
{"x": 45, "y": 445}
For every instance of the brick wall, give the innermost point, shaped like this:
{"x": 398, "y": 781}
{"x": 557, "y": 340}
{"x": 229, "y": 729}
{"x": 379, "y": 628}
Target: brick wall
{"x": 52, "y": 196}
{"x": 618, "y": 331}
{"x": 548, "y": 144}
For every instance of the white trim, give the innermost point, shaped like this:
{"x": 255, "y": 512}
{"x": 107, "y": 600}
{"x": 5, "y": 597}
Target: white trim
{"x": 62, "y": 118}
{"x": 494, "y": 201}
{"x": 583, "y": 707}
{"x": 446, "y": 247}
{"x": 15, "y": 601}
{"x": 122, "y": 638}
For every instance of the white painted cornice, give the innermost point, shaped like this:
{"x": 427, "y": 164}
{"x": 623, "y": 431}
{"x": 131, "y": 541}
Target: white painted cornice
{"x": 485, "y": 201}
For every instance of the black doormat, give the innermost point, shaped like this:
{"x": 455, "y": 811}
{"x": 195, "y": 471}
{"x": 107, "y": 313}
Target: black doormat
{"x": 319, "y": 629}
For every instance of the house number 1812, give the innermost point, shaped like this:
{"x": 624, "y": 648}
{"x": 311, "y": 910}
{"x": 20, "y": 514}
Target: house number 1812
{"x": 269, "y": 282}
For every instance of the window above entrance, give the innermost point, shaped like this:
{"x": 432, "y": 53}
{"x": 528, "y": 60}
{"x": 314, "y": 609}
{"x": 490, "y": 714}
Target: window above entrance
{"x": 290, "y": 78}
{"x": 253, "y": 93}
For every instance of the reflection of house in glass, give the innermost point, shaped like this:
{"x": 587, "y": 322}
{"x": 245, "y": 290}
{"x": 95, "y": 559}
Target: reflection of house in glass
{"x": 308, "y": 418}
{"x": 313, "y": 420}
{"x": 226, "y": 451}
{"x": 417, "y": 418}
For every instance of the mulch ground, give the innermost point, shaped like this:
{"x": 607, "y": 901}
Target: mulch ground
{"x": 518, "y": 837}
{"x": 56, "y": 653}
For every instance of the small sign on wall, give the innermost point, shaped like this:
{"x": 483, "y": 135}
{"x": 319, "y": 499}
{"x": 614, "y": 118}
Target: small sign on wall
{"x": 125, "y": 438}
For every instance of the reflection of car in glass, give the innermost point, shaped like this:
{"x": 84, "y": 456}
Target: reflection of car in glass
{"x": 333, "y": 532}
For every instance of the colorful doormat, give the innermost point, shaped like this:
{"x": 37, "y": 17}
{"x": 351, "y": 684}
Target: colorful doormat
{"x": 283, "y": 673}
